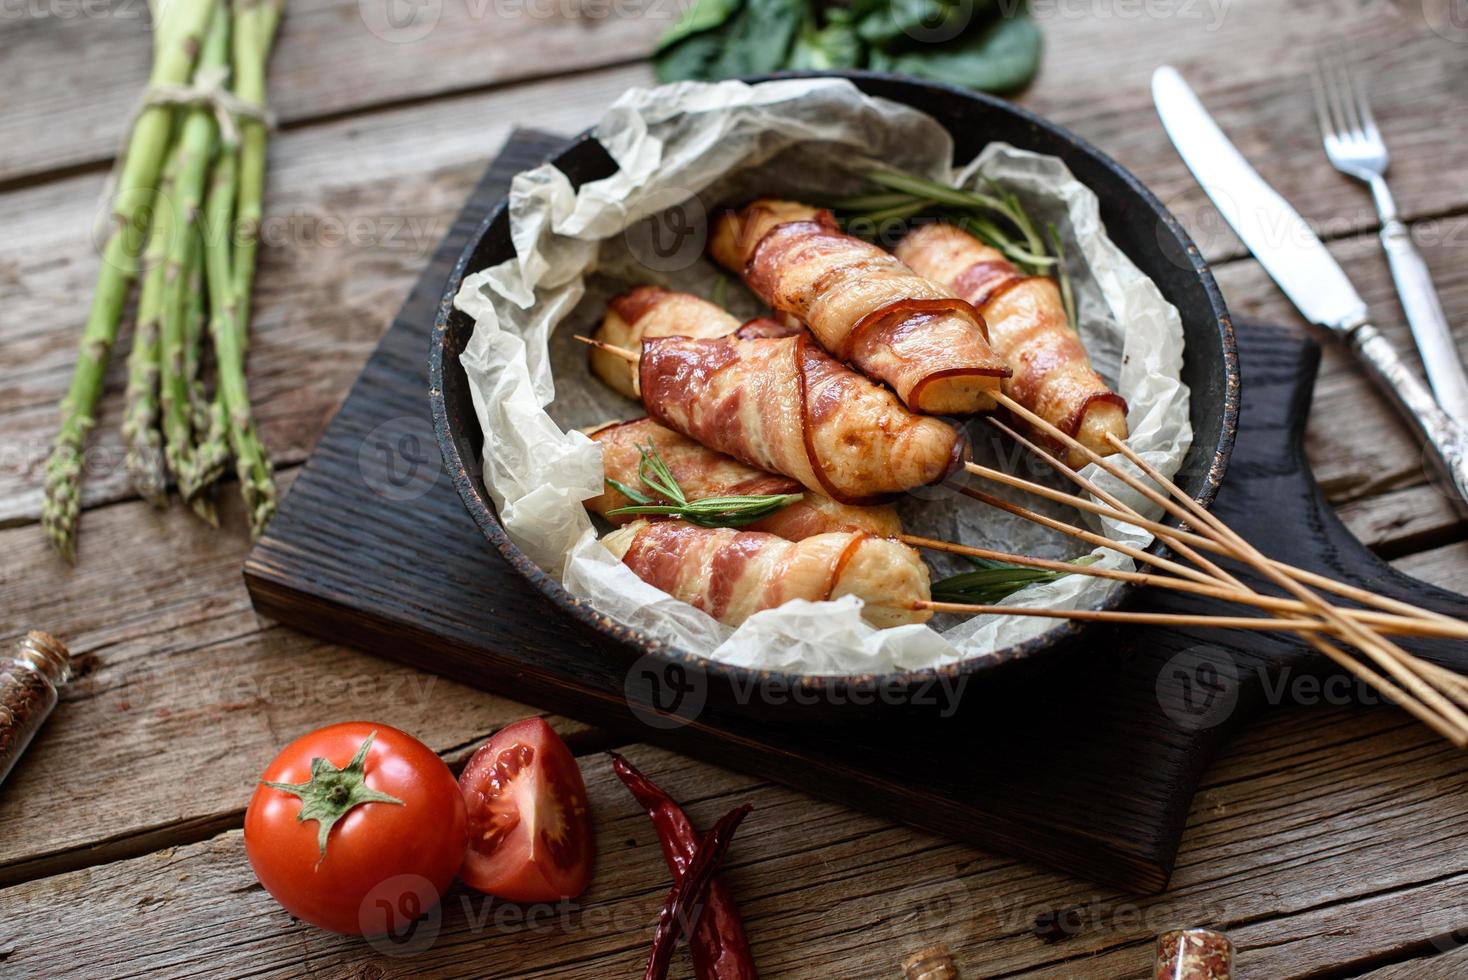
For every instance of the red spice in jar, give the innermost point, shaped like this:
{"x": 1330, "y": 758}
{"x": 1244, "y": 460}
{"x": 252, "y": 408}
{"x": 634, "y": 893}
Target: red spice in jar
{"x": 30, "y": 676}
{"x": 1194, "y": 954}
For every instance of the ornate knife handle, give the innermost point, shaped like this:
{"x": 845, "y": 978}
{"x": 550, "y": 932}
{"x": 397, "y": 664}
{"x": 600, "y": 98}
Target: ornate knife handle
{"x": 1448, "y": 442}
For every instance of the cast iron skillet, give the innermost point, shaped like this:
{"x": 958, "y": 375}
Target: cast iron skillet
{"x": 1135, "y": 220}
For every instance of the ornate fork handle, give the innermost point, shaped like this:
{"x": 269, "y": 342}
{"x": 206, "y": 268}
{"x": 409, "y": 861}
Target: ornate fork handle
{"x": 1429, "y": 324}
{"x": 1447, "y": 440}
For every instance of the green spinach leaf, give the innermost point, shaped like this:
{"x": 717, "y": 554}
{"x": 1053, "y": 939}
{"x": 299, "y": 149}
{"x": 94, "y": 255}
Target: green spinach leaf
{"x": 690, "y": 58}
{"x": 895, "y": 23}
{"x": 704, "y": 15}
{"x": 1000, "y": 58}
{"x": 759, "y": 38}
{"x": 960, "y": 42}
{"x": 833, "y": 46}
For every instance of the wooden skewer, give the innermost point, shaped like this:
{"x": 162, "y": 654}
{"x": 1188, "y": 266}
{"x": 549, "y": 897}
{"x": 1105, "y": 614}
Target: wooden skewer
{"x": 1198, "y": 541}
{"x": 1390, "y": 657}
{"x": 1335, "y": 653}
{"x": 631, "y": 357}
{"x": 1170, "y": 535}
{"x": 1454, "y": 685}
{"x": 1435, "y": 675}
{"x": 1075, "y": 477}
{"x": 1088, "y": 536}
{"x": 1264, "y": 623}
{"x": 1391, "y": 623}
{"x": 1396, "y": 661}
{"x": 1398, "y": 696}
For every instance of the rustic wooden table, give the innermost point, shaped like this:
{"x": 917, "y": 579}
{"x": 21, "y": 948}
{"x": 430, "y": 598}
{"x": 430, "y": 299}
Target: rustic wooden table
{"x": 1329, "y": 841}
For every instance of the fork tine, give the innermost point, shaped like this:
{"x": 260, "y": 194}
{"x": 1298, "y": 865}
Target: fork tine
{"x": 1341, "y": 83}
{"x": 1322, "y": 111}
{"x": 1363, "y": 106}
{"x": 1331, "y": 97}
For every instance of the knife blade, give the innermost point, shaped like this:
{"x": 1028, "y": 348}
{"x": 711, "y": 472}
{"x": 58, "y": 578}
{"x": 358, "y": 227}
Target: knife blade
{"x": 1284, "y": 244}
{"x": 1300, "y": 264}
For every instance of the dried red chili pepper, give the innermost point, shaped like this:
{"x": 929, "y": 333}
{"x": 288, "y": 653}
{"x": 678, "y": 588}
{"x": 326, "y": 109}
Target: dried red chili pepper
{"x": 719, "y": 946}
{"x": 690, "y": 892}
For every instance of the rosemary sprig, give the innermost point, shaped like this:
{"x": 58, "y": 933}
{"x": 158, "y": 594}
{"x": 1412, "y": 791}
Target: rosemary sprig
{"x": 997, "y": 217}
{"x": 1067, "y": 292}
{"x": 725, "y": 511}
{"x": 993, "y": 581}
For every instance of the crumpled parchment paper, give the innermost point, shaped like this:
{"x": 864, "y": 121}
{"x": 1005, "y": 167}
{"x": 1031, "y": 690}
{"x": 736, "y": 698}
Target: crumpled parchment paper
{"x": 684, "y": 151}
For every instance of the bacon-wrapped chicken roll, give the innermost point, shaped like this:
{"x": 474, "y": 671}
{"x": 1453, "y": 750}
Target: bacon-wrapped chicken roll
{"x": 701, "y": 472}
{"x": 863, "y": 305}
{"x": 731, "y": 574}
{"x": 652, "y": 311}
{"x": 782, "y": 404}
{"x": 1027, "y": 325}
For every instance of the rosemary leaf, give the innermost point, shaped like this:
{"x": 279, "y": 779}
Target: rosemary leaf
{"x": 1067, "y": 292}
{"x": 993, "y": 581}
{"x": 921, "y": 187}
{"x": 716, "y": 511}
{"x": 636, "y": 496}
{"x": 655, "y": 473}
{"x": 722, "y": 511}
{"x": 873, "y": 202}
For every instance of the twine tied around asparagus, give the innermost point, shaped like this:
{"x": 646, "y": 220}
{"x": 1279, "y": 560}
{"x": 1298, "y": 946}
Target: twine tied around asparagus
{"x": 209, "y": 90}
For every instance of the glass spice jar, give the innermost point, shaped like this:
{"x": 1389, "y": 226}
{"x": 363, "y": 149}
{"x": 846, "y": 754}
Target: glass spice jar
{"x": 31, "y": 675}
{"x": 1194, "y": 954}
{"x": 932, "y": 963}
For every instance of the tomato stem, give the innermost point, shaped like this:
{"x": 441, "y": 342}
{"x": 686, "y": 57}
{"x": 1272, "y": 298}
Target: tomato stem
{"x": 331, "y": 792}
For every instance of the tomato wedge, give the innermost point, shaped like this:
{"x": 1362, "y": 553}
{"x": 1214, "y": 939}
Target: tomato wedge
{"x": 530, "y": 834}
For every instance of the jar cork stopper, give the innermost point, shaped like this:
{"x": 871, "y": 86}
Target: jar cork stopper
{"x": 47, "y": 653}
{"x": 932, "y": 963}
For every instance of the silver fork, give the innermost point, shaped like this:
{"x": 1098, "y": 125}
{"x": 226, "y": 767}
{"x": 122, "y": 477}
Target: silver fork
{"x": 1355, "y": 147}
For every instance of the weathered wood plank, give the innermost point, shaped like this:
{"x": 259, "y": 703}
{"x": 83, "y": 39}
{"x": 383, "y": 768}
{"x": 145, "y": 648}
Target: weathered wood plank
{"x": 354, "y": 210}
{"x": 829, "y": 892}
{"x": 1446, "y": 566}
{"x": 1448, "y": 966}
{"x": 333, "y": 56}
{"x": 187, "y": 694}
{"x": 1399, "y": 522}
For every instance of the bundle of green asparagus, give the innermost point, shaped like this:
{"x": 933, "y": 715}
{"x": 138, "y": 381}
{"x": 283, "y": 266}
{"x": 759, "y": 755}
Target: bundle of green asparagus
{"x": 184, "y": 220}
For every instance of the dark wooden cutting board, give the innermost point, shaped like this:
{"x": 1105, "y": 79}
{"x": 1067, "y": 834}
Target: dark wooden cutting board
{"x": 1087, "y": 762}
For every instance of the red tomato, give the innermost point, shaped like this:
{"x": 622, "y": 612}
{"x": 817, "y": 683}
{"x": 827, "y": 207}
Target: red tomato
{"x": 383, "y": 861}
{"x": 529, "y": 825}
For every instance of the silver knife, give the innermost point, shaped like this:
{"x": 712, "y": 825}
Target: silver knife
{"x": 1300, "y": 264}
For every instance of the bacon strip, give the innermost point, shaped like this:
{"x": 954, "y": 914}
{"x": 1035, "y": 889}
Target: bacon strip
{"x": 701, "y": 472}
{"x": 732, "y": 574}
{"x": 1052, "y": 376}
{"x": 651, "y": 311}
{"x": 782, "y": 404}
{"x": 863, "y": 306}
